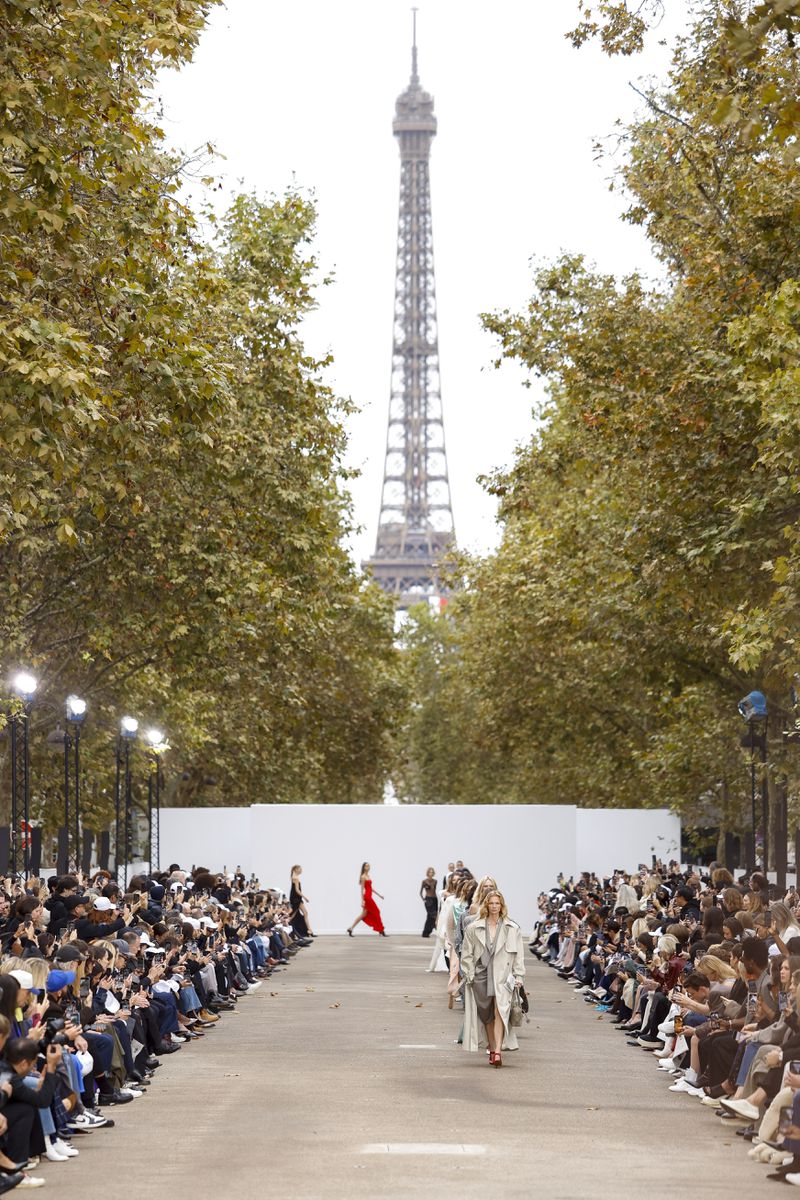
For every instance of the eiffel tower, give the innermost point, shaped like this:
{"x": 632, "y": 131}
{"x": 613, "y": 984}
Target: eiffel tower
{"x": 415, "y": 527}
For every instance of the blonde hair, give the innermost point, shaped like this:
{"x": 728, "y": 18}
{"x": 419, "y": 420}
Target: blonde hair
{"x": 39, "y": 969}
{"x": 108, "y": 947}
{"x": 710, "y": 965}
{"x": 484, "y": 909}
{"x": 487, "y": 884}
{"x": 36, "y": 967}
{"x": 782, "y": 916}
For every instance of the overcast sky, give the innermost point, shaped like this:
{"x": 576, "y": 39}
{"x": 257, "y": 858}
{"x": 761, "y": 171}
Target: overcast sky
{"x": 304, "y": 92}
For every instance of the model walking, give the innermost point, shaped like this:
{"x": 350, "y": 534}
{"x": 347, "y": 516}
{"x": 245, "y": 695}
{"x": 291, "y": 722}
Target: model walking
{"x": 298, "y": 918}
{"x": 370, "y": 913}
{"x": 427, "y": 891}
{"x": 492, "y": 963}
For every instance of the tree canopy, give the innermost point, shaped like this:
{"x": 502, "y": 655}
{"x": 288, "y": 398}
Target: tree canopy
{"x": 648, "y": 572}
{"x": 173, "y": 501}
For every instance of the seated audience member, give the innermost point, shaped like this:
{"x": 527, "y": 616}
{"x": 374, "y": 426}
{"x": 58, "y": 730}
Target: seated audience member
{"x": 710, "y": 988}
{"x": 98, "y": 985}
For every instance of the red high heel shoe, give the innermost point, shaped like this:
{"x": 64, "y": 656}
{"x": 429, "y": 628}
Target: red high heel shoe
{"x": 494, "y": 1059}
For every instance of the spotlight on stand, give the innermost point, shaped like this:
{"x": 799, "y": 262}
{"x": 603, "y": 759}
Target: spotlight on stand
{"x": 23, "y": 686}
{"x": 76, "y": 714}
{"x": 128, "y": 728}
{"x": 753, "y": 708}
{"x": 158, "y": 745}
{"x": 76, "y": 709}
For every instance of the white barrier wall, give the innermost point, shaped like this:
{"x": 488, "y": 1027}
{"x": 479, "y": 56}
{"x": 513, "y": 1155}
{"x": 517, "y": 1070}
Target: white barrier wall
{"x": 524, "y": 846}
{"x": 620, "y": 838}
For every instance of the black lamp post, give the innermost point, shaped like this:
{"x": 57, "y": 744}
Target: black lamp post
{"x": 754, "y": 710}
{"x": 128, "y": 728}
{"x": 76, "y": 714}
{"x": 24, "y": 688}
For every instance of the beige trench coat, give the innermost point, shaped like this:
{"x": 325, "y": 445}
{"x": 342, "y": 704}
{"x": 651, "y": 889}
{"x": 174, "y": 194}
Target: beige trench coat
{"x": 509, "y": 959}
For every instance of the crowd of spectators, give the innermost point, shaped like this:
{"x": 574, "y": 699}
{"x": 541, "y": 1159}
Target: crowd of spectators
{"x": 99, "y": 983}
{"x": 701, "y": 971}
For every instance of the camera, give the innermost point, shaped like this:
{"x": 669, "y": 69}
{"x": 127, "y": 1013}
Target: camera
{"x": 54, "y": 1033}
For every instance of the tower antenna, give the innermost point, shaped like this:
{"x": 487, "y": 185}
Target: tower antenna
{"x": 414, "y": 75}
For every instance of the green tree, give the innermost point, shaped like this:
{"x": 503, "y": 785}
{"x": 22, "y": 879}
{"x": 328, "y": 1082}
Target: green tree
{"x": 172, "y": 497}
{"x": 646, "y": 577}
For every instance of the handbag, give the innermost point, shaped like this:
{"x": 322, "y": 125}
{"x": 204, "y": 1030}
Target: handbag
{"x": 516, "y": 1015}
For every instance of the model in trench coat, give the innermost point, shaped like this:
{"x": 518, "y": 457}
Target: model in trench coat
{"x": 509, "y": 959}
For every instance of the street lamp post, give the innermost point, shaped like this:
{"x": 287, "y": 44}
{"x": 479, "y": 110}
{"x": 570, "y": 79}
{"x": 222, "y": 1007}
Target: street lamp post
{"x": 76, "y": 713}
{"x": 128, "y": 728}
{"x": 754, "y": 710}
{"x": 24, "y": 688}
{"x": 158, "y": 745}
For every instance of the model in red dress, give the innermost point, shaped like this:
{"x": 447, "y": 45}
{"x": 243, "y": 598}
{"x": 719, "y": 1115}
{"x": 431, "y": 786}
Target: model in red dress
{"x": 370, "y": 913}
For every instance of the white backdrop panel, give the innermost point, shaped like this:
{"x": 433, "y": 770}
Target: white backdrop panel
{"x": 206, "y": 837}
{"x": 623, "y": 837}
{"x": 524, "y": 846}
{"x": 519, "y": 844}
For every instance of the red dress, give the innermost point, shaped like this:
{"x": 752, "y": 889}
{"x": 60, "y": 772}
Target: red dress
{"x": 373, "y": 917}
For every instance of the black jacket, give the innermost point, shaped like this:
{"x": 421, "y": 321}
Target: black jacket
{"x": 87, "y": 931}
{"x": 41, "y": 1098}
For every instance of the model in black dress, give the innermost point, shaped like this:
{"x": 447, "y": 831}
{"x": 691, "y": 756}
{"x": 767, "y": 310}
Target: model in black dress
{"x": 428, "y": 893}
{"x": 297, "y": 901}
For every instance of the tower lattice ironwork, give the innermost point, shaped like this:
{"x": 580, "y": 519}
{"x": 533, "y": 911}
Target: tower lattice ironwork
{"x": 415, "y": 528}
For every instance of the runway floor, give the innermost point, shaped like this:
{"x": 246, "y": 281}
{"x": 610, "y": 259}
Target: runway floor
{"x": 339, "y": 1080}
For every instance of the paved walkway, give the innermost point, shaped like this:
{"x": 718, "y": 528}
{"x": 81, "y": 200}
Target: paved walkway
{"x": 338, "y": 1080}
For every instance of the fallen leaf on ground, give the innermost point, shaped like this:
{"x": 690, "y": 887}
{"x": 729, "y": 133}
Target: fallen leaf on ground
{"x": 338, "y": 1004}
{"x": 417, "y": 1006}
{"x": 310, "y": 989}
{"x": 273, "y": 993}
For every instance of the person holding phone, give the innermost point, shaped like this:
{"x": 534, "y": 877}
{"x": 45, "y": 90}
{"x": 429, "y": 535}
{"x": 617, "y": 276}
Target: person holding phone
{"x": 103, "y": 921}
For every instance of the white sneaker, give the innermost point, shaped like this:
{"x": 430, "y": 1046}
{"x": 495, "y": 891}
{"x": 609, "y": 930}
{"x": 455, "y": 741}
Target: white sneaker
{"x": 666, "y": 1064}
{"x": 253, "y": 987}
{"x": 741, "y": 1109}
{"x": 129, "y": 1091}
{"x": 87, "y": 1120}
{"x": 683, "y": 1086}
{"x": 30, "y": 1181}
{"x": 52, "y": 1154}
{"x": 64, "y": 1148}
